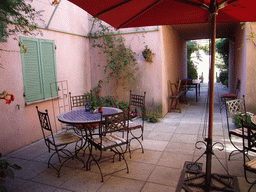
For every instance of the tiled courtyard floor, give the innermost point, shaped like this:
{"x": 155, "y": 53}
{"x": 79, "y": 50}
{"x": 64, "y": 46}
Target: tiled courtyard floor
{"x": 168, "y": 144}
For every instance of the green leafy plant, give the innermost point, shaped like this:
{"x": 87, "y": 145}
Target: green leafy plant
{"x": 108, "y": 101}
{"x": 20, "y": 15}
{"x": 153, "y": 115}
{"x": 121, "y": 60}
{"x": 93, "y": 105}
{"x": 6, "y": 171}
{"x": 242, "y": 118}
{"x": 123, "y": 105}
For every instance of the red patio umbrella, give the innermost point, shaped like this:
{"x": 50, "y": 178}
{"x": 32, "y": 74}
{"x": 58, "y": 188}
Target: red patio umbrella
{"x": 138, "y": 13}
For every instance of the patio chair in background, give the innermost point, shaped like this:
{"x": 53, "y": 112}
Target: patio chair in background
{"x": 230, "y": 96}
{"x": 233, "y": 108}
{"x": 80, "y": 101}
{"x": 183, "y": 90}
{"x": 58, "y": 142}
{"x": 106, "y": 138}
{"x": 174, "y": 96}
{"x": 249, "y": 145}
{"x": 137, "y": 102}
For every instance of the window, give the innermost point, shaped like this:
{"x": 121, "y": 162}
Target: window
{"x": 39, "y": 68}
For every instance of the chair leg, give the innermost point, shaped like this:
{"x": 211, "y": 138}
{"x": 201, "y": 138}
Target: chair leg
{"x": 136, "y": 138}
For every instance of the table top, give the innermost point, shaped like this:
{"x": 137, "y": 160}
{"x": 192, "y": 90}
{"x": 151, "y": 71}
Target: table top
{"x": 80, "y": 116}
{"x": 253, "y": 119}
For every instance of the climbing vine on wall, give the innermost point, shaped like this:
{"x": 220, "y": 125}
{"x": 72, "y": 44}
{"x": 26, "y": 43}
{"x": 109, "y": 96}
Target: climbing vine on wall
{"x": 121, "y": 62}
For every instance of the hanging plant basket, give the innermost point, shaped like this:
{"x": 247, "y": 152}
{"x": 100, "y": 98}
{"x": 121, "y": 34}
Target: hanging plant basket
{"x": 147, "y": 54}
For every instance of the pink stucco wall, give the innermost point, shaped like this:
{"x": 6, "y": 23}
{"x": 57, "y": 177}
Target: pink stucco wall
{"x": 250, "y": 69}
{"x": 174, "y": 63}
{"x": 148, "y": 76}
{"x": 169, "y": 62}
{"x": 20, "y": 126}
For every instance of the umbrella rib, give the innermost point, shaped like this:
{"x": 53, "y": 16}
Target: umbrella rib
{"x": 144, "y": 10}
{"x": 203, "y": 5}
{"x": 225, "y": 3}
{"x": 111, "y": 8}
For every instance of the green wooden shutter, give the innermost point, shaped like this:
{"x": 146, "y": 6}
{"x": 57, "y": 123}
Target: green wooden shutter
{"x": 48, "y": 68}
{"x": 31, "y": 69}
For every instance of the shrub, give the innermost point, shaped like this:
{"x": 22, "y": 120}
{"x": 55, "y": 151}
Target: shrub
{"x": 223, "y": 77}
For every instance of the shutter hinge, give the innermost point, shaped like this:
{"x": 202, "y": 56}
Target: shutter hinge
{"x": 24, "y": 95}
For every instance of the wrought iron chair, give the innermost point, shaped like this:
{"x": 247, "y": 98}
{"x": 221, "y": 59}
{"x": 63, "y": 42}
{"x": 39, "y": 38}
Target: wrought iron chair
{"x": 138, "y": 102}
{"x": 249, "y": 144}
{"x": 79, "y": 101}
{"x": 233, "y": 108}
{"x": 183, "y": 90}
{"x": 174, "y": 96}
{"x": 58, "y": 142}
{"x": 106, "y": 138}
{"x": 230, "y": 96}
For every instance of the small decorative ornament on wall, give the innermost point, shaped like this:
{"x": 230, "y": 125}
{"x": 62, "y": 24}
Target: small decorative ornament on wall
{"x": 147, "y": 54}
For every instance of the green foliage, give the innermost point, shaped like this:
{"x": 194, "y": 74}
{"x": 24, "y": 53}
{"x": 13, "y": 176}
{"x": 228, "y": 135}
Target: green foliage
{"x": 241, "y": 119}
{"x": 121, "y": 60}
{"x": 122, "y": 105}
{"x": 222, "y": 47}
{"x": 224, "y": 77}
{"x": 192, "y": 71}
{"x": 94, "y": 103}
{"x": 20, "y": 14}
{"x": 6, "y": 171}
{"x": 154, "y": 114}
{"x": 191, "y": 68}
{"x": 108, "y": 101}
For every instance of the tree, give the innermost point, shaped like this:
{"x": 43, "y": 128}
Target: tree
{"x": 20, "y": 15}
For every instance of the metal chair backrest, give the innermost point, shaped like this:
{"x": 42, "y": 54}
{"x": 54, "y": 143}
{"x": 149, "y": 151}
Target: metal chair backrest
{"x": 138, "y": 101}
{"x": 45, "y": 126}
{"x": 235, "y": 107}
{"x": 114, "y": 122}
{"x": 79, "y": 100}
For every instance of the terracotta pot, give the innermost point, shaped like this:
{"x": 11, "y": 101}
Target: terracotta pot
{"x": 100, "y": 109}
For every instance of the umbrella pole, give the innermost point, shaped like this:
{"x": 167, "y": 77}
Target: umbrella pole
{"x": 211, "y": 104}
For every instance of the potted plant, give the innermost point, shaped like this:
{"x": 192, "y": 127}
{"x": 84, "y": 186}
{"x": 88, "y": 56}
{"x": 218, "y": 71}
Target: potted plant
{"x": 147, "y": 54}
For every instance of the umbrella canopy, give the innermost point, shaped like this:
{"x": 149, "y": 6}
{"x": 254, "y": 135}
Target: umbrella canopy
{"x": 137, "y": 13}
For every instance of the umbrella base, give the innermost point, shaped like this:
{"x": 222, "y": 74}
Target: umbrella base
{"x": 193, "y": 179}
